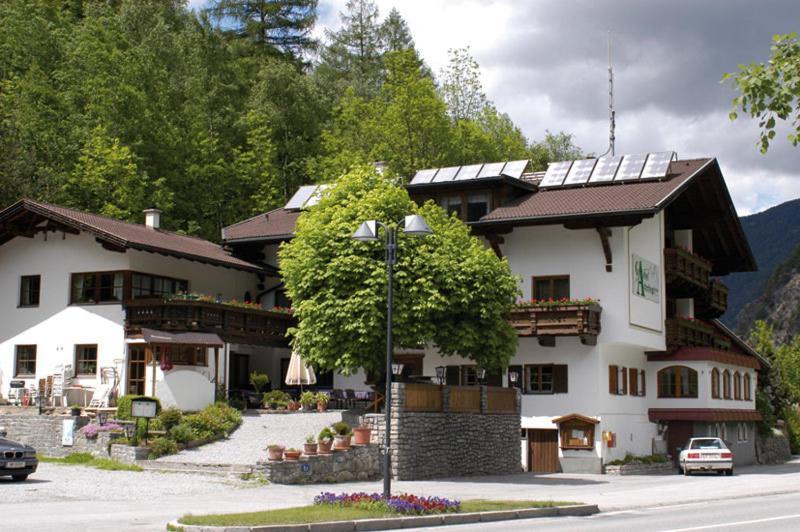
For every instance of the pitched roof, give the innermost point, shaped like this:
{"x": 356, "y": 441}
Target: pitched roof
{"x": 627, "y": 198}
{"x": 277, "y": 224}
{"x": 117, "y": 233}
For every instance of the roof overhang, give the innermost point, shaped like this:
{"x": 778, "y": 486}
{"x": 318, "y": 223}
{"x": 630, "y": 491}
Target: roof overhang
{"x": 153, "y": 336}
{"x": 702, "y": 414}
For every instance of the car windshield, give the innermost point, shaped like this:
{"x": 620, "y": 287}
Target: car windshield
{"x": 706, "y": 443}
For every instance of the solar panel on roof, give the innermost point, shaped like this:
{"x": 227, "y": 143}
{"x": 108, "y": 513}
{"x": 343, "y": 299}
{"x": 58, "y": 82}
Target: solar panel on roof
{"x": 446, "y": 174}
{"x": 514, "y": 168}
{"x": 580, "y": 172}
{"x": 424, "y": 176}
{"x": 491, "y": 170}
{"x": 605, "y": 169}
{"x": 300, "y": 197}
{"x": 315, "y": 196}
{"x": 556, "y": 172}
{"x": 469, "y": 172}
{"x": 631, "y": 167}
{"x": 657, "y": 164}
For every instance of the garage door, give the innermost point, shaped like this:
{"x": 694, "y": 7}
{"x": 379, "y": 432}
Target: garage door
{"x": 543, "y": 451}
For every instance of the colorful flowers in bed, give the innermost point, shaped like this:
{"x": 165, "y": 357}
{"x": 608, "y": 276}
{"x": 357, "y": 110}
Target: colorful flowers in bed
{"x": 560, "y": 302}
{"x": 91, "y": 431}
{"x": 403, "y": 504}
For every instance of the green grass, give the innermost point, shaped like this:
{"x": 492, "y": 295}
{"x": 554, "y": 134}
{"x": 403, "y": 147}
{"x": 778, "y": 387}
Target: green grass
{"x": 320, "y": 513}
{"x": 106, "y": 464}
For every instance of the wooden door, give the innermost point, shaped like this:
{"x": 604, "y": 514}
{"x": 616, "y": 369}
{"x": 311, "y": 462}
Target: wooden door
{"x": 240, "y": 372}
{"x": 543, "y": 451}
{"x": 137, "y": 364}
{"x": 678, "y": 433}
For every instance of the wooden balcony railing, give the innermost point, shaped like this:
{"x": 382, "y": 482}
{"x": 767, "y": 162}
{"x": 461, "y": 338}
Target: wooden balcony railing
{"x": 682, "y": 332}
{"x": 686, "y": 273}
{"x": 548, "y": 321}
{"x": 232, "y": 324}
{"x": 713, "y": 303}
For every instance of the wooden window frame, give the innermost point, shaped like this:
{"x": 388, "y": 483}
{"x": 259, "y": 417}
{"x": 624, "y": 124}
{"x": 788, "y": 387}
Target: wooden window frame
{"x": 747, "y": 386}
{"x": 22, "y": 291}
{"x": 637, "y": 386}
{"x": 98, "y": 287}
{"x": 559, "y": 383}
{"x": 678, "y": 383}
{"x": 715, "y": 377}
{"x": 463, "y": 196}
{"x": 726, "y": 385}
{"x": 17, "y": 359}
{"x": 551, "y": 279}
{"x": 618, "y": 375}
{"x": 737, "y": 386}
{"x": 152, "y": 277}
{"x": 539, "y": 369}
{"x": 78, "y": 361}
{"x": 198, "y": 357}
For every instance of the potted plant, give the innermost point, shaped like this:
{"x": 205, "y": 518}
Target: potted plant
{"x": 341, "y": 435}
{"x": 293, "y": 405}
{"x": 75, "y": 409}
{"x": 325, "y": 440}
{"x": 322, "y": 401}
{"x": 292, "y": 455}
{"x": 259, "y": 381}
{"x": 361, "y": 435}
{"x": 310, "y": 446}
{"x": 276, "y": 399}
{"x": 308, "y": 400}
{"x": 275, "y": 452}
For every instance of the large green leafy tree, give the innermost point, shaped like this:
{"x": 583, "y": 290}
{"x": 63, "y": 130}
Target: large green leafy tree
{"x": 450, "y": 290}
{"x": 770, "y": 91}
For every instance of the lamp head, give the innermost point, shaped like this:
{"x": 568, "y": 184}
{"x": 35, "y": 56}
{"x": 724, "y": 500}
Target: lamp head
{"x": 416, "y": 225}
{"x": 397, "y": 368}
{"x": 367, "y": 231}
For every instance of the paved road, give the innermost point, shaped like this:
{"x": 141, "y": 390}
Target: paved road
{"x": 770, "y": 512}
{"x": 78, "y": 498}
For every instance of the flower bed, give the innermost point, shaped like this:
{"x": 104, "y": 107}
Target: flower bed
{"x": 405, "y": 503}
{"x": 563, "y": 302}
{"x": 191, "y": 296}
{"x": 92, "y": 430}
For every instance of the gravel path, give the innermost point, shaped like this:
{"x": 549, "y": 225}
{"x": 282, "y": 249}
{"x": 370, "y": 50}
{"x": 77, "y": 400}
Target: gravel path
{"x": 247, "y": 444}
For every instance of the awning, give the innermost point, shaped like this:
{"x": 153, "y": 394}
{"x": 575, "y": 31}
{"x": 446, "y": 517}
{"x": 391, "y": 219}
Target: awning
{"x": 152, "y": 336}
{"x": 702, "y": 414}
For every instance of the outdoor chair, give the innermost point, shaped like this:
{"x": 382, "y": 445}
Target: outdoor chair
{"x": 100, "y": 396}
{"x": 350, "y": 398}
{"x": 337, "y": 399}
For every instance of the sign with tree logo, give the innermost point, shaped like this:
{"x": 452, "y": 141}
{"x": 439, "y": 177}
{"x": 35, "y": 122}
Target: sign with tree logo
{"x": 646, "y": 283}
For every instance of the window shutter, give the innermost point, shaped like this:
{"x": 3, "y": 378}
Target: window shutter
{"x": 633, "y": 381}
{"x": 642, "y": 383}
{"x": 623, "y": 374}
{"x": 453, "y": 375}
{"x": 613, "y": 372}
{"x": 560, "y": 379}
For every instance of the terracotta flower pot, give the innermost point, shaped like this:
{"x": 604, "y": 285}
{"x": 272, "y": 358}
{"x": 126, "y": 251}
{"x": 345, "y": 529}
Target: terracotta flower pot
{"x": 275, "y": 453}
{"x": 292, "y": 456}
{"x": 325, "y": 447}
{"x": 309, "y": 449}
{"x": 341, "y": 442}
{"x": 361, "y": 435}
{"x": 322, "y": 407}
{"x": 293, "y": 406}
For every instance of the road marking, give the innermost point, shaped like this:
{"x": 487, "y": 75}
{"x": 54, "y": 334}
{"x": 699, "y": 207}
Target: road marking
{"x": 736, "y": 523}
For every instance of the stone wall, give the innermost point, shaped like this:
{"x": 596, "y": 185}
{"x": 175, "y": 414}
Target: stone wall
{"x": 127, "y": 454}
{"x": 361, "y": 462}
{"x": 773, "y": 449}
{"x": 445, "y": 444}
{"x": 44, "y": 434}
{"x": 665, "y": 468}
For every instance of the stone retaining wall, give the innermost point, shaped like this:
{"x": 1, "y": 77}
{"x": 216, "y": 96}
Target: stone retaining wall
{"x": 449, "y": 444}
{"x": 664, "y": 468}
{"x": 44, "y": 434}
{"x": 773, "y": 449}
{"x": 361, "y": 462}
{"x": 127, "y": 454}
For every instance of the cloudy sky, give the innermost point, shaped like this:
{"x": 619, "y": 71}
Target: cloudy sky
{"x": 544, "y": 62}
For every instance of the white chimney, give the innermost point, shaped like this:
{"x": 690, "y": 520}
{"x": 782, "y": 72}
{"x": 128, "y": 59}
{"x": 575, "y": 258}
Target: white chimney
{"x": 152, "y": 218}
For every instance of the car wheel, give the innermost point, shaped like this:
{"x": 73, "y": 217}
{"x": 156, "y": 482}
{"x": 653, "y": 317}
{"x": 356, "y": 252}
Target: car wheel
{"x": 721, "y": 472}
{"x": 19, "y": 478}
{"x": 729, "y": 472}
{"x": 680, "y": 470}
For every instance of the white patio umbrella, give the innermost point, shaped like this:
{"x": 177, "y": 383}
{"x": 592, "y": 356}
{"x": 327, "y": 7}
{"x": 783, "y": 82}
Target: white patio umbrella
{"x": 298, "y": 373}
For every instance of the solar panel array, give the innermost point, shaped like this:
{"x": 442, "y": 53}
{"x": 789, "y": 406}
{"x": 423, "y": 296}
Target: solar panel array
{"x": 306, "y": 196}
{"x": 512, "y": 169}
{"x": 620, "y": 168}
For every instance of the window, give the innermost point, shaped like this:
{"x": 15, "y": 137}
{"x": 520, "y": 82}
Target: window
{"x": 182, "y": 355}
{"x": 86, "y": 360}
{"x": 97, "y": 287}
{"x": 636, "y": 382}
{"x": 617, "y": 380}
{"x": 469, "y": 375}
{"x": 741, "y": 432}
{"x": 726, "y": 384}
{"x": 477, "y": 206}
{"x": 747, "y": 390}
{"x": 25, "y": 361}
{"x": 715, "y": 383}
{"x": 29, "y": 290}
{"x": 737, "y": 386}
{"x": 147, "y": 286}
{"x": 452, "y": 204}
{"x": 677, "y": 382}
{"x": 550, "y": 378}
{"x": 551, "y": 287}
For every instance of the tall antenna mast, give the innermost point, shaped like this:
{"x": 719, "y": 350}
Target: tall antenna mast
{"x": 611, "y": 113}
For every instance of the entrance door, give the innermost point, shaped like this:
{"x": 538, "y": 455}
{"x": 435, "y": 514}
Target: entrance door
{"x": 543, "y": 451}
{"x": 240, "y": 372}
{"x": 678, "y": 433}
{"x": 137, "y": 364}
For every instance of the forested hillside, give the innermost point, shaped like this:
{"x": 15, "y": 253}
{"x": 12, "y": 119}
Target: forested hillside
{"x": 212, "y": 116}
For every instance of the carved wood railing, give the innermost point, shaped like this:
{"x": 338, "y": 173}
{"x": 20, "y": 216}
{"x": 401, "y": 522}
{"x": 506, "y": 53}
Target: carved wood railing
{"x": 549, "y": 321}
{"x": 686, "y": 273}
{"x": 714, "y": 303}
{"x": 682, "y": 332}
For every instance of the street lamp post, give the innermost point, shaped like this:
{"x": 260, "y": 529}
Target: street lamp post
{"x": 413, "y": 224}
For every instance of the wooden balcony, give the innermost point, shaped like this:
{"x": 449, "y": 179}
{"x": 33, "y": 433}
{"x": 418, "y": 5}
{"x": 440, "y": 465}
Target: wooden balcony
{"x": 682, "y": 332}
{"x": 713, "y": 303}
{"x": 232, "y": 324}
{"x": 687, "y": 274}
{"x": 546, "y": 322}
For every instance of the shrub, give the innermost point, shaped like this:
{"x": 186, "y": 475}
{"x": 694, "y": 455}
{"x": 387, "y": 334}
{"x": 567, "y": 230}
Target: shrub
{"x": 792, "y": 417}
{"x": 170, "y": 417}
{"x": 124, "y": 406}
{"x": 323, "y": 398}
{"x": 308, "y": 399}
{"x": 259, "y": 380}
{"x": 182, "y": 433}
{"x": 277, "y": 398}
{"x": 161, "y": 446}
{"x": 633, "y": 459}
{"x": 341, "y": 429}
{"x": 325, "y": 435}
{"x": 218, "y": 419}
{"x": 238, "y": 403}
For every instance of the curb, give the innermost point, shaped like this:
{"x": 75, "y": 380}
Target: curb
{"x": 391, "y": 523}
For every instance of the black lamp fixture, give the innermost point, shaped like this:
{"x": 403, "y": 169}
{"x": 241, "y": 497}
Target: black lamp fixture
{"x": 513, "y": 377}
{"x": 397, "y": 369}
{"x": 441, "y": 374}
{"x": 481, "y": 374}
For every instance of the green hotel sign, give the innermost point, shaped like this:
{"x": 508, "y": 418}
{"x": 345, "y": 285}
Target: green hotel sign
{"x": 646, "y": 283}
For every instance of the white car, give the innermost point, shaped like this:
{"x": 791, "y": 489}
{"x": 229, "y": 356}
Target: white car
{"x": 705, "y": 454}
